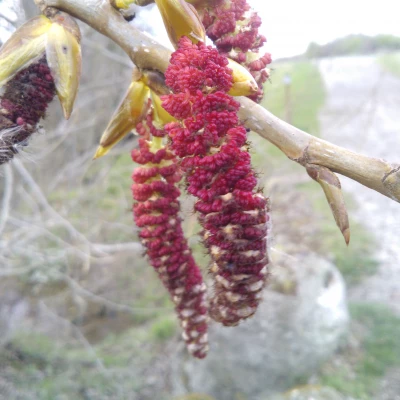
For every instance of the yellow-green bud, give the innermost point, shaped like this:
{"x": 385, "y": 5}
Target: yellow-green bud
{"x": 129, "y": 113}
{"x": 244, "y": 83}
{"x": 25, "y": 46}
{"x": 63, "y": 53}
{"x": 181, "y": 19}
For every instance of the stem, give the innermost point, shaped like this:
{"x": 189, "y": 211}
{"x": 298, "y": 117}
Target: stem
{"x": 299, "y": 146}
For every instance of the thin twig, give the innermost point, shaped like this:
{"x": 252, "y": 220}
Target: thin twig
{"x": 41, "y": 198}
{"x": 116, "y": 248}
{"x": 81, "y": 337}
{"x": 74, "y": 286}
{"x": 7, "y": 195}
{"x": 38, "y": 230}
{"x": 8, "y": 20}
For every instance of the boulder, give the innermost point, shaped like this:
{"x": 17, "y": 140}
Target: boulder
{"x": 298, "y": 326}
{"x": 311, "y": 393}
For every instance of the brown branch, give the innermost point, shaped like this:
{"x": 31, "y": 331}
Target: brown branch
{"x": 305, "y": 149}
{"x": 298, "y": 146}
{"x": 144, "y": 51}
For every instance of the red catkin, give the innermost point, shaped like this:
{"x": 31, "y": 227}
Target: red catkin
{"x": 212, "y": 146}
{"x": 155, "y": 211}
{"x": 22, "y": 105}
{"x": 234, "y": 29}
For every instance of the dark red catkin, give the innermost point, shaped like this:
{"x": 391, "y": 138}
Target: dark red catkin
{"x": 211, "y": 143}
{"x": 22, "y": 105}
{"x": 155, "y": 211}
{"x": 234, "y": 29}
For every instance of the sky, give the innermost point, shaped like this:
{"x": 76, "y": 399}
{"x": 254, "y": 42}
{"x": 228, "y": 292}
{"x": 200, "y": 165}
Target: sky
{"x": 290, "y": 25}
{"x": 6, "y": 12}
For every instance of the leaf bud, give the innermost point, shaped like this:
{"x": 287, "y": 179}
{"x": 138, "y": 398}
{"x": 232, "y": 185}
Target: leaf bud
{"x": 181, "y": 19}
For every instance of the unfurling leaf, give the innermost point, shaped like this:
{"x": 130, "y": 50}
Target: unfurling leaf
{"x": 58, "y": 38}
{"x": 181, "y": 19}
{"x": 25, "y": 46}
{"x": 331, "y": 186}
{"x": 131, "y": 110}
{"x": 124, "y": 4}
{"x": 156, "y": 83}
{"x": 63, "y": 54}
{"x": 160, "y": 116}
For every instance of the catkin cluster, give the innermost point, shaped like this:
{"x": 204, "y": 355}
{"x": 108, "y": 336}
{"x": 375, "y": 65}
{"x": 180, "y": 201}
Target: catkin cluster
{"x": 211, "y": 143}
{"x": 22, "y": 105}
{"x": 155, "y": 212}
{"x": 234, "y": 29}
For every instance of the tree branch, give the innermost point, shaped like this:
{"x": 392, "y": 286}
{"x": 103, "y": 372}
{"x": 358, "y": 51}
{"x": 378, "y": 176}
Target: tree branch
{"x": 297, "y": 145}
{"x": 306, "y": 149}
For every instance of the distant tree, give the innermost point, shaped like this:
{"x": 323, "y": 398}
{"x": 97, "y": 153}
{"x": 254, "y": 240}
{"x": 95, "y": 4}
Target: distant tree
{"x": 353, "y": 45}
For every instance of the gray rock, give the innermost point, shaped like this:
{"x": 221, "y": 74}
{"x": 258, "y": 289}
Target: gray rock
{"x": 389, "y": 386}
{"x": 311, "y": 393}
{"x": 298, "y": 326}
{"x": 14, "y": 308}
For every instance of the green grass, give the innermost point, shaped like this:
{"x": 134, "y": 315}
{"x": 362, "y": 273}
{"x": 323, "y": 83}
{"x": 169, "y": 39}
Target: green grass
{"x": 45, "y": 368}
{"x": 381, "y": 343}
{"x": 163, "y": 329}
{"x": 380, "y": 351}
{"x": 194, "y": 396}
{"x": 390, "y": 63}
{"x": 357, "y": 260}
{"x": 307, "y": 94}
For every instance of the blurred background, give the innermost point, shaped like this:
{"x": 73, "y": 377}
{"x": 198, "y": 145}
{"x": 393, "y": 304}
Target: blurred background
{"x": 82, "y": 314}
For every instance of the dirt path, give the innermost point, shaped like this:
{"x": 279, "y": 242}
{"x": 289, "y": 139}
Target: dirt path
{"x": 362, "y": 113}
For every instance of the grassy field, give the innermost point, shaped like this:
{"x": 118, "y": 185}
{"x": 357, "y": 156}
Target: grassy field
{"x": 301, "y": 100}
{"x": 356, "y": 261}
{"x": 37, "y": 367}
{"x": 375, "y": 330}
{"x": 390, "y": 63}
{"x": 300, "y": 107}
{"x": 49, "y": 369}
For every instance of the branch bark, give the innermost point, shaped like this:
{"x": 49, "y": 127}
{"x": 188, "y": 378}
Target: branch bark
{"x": 305, "y": 149}
{"x": 297, "y": 145}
